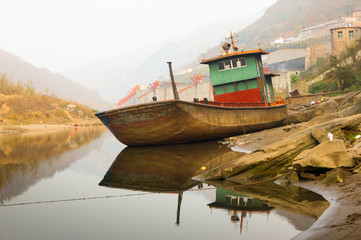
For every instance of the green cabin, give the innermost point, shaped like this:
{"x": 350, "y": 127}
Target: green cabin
{"x": 231, "y": 200}
{"x": 239, "y": 77}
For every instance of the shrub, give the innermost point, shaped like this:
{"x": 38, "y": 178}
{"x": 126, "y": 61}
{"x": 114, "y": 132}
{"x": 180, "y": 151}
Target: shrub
{"x": 294, "y": 78}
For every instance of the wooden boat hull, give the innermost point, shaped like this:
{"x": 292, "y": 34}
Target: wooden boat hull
{"x": 177, "y": 121}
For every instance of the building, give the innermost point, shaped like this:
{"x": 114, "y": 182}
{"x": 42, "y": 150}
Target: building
{"x": 287, "y": 40}
{"x": 357, "y": 13}
{"x": 238, "y": 77}
{"x": 285, "y": 59}
{"x": 343, "y": 37}
{"x": 323, "y": 30}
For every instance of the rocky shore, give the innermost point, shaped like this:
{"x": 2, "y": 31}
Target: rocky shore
{"x": 318, "y": 148}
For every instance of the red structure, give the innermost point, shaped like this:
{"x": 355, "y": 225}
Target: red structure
{"x": 154, "y": 86}
{"x": 129, "y": 95}
{"x": 196, "y": 80}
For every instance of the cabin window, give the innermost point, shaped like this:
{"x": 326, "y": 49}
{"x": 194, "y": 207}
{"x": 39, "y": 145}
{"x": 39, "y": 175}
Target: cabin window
{"x": 221, "y": 66}
{"x": 227, "y": 65}
{"x": 243, "y": 62}
{"x": 350, "y": 34}
{"x": 339, "y": 34}
{"x": 234, "y": 63}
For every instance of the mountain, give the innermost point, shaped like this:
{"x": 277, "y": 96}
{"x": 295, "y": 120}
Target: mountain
{"x": 287, "y": 17}
{"x": 42, "y": 79}
{"x": 114, "y": 77}
{"x": 109, "y": 76}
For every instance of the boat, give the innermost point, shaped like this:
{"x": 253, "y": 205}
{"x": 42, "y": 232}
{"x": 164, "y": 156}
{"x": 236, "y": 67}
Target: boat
{"x": 243, "y": 102}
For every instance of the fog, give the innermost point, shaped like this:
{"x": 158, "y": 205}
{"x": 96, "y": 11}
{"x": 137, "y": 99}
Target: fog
{"x": 60, "y": 35}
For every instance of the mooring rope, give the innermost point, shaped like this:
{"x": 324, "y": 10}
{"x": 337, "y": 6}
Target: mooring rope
{"x": 91, "y": 198}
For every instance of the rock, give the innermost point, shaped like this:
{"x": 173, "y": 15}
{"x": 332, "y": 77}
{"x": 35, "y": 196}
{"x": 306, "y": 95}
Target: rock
{"x": 320, "y": 134}
{"x": 264, "y": 164}
{"x": 311, "y": 176}
{"x": 357, "y": 144}
{"x": 329, "y": 106}
{"x": 355, "y": 109}
{"x": 357, "y": 170}
{"x": 293, "y": 177}
{"x": 321, "y": 119}
{"x": 355, "y": 152}
{"x": 283, "y": 181}
{"x": 353, "y": 217}
{"x": 278, "y": 157}
{"x": 327, "y": 155}
{"x": 350, "y": 98}
{"x": 336, "y": 176}
{"x": 341, "y": 99}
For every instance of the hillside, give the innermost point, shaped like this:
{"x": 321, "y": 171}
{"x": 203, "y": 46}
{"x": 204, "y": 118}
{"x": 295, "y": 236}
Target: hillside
{"x": 287, "y": 17}
{"x": 20, "y": 104}
{"x": 42, "y": 79}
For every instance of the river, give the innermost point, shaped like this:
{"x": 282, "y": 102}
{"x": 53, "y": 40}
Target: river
{"x": 83, "y": 184}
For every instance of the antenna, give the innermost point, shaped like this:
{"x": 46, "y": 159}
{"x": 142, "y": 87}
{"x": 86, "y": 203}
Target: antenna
{"x": 233, "y": 46}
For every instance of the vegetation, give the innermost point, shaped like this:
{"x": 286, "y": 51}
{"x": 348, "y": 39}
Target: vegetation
{"x": 294, "y": 78}
{"x": 344, "y": 72}
{"x": 42, "y": 78}
{"x": 323, "y": 86}
{"x": 20, "y": 103}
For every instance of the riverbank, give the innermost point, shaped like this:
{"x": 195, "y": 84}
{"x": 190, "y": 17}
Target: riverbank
{"x": 342, "y": 220}
{"x": 320, "y": 152}
{"x": 9, "y": 129}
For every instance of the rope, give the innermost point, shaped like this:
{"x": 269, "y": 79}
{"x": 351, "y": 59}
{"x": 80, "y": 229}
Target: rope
{"x": 88, "y": 198}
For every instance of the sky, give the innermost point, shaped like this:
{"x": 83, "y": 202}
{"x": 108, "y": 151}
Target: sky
{"x": 63, "y": 34}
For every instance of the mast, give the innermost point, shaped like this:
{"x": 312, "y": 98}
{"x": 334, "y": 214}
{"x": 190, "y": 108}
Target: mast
{"x": 174, "y": 87}
{"x": 180, "y": 197}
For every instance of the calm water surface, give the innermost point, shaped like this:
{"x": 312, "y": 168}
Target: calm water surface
{"x": 84, "y": 184}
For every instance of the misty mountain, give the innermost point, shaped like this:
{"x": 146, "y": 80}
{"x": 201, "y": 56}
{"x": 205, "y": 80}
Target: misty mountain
{"x": 114, "y": 77}
{"x": 17, "y": 69}
{"x": 109, "y": 76}
{"x": 287, "y": 17}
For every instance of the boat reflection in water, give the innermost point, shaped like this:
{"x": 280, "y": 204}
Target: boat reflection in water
{"x": 300, "y": 206}
{"x": 170, "y": 169}
{"x": 236, "y": 203}
{"x": 167, "y": 169}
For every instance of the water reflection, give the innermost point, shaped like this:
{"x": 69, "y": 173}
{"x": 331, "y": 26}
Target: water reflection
{"x": 169, "y": 169}
{"x": 165, "y": 168}
{"x": 300, "y": 206}
{"x": 238, "y": 204}
{"x": 27, "y": 158}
